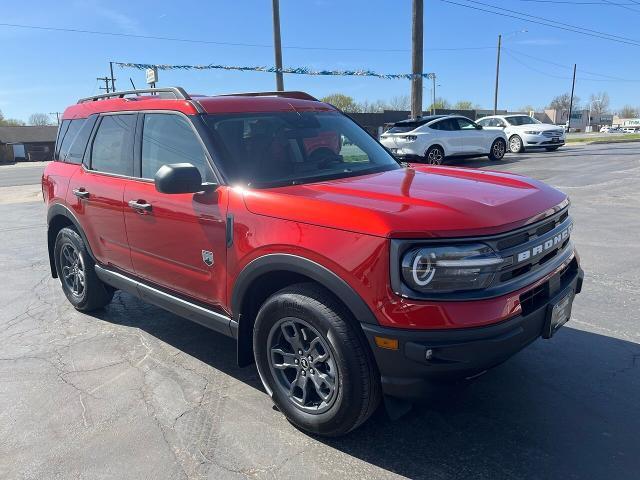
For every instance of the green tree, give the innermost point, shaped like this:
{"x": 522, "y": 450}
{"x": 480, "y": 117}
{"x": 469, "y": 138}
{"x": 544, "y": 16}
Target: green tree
{"x": 342, "y": 101}
{"x": 463, "y": 105}
{"x": 9, "y": 122}
{"x": 441, "y": 104}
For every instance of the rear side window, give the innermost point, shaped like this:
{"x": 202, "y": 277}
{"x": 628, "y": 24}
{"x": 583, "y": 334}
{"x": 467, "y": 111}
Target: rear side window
{"x": 169, "y": 138}
{"x": 79, "y": 144}
{"x": 112, "y": 148}
{"x": 62, "y": 129}
{"x": 448, "y": 124}
{"x": 69, "y": 137}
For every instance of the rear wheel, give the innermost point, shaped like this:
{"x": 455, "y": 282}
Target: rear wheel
{"x": 498, "y": 149}
{"x": 75, "y": 269}
{"x": 314, "y": 362}
{"x": 434, "y": 156}
{"x": 515, "y": 144}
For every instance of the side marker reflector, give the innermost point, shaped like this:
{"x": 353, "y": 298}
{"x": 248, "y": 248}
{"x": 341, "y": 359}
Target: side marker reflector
{"x": 388, "y": 343}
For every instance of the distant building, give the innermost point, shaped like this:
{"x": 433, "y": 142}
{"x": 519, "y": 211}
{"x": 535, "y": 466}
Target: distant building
{"x": 33, "y": 143}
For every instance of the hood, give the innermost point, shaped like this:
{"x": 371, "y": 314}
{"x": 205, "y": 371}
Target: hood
{"x": 537, "y": 127}
{"x": 413, "y": 202}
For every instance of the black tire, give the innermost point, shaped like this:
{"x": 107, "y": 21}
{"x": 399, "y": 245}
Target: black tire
{"x": 515, "y": 144}
{"x": 434, "y": 156}
{"x": 498, "y": 149}
{"x": 551, "y": 149}
{"x": 308, "y": 312}
{"x": 89, "y": 293}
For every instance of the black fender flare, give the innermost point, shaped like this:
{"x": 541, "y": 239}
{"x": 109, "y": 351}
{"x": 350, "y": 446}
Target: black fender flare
{"x": 57, "y": 210}
{"x": 303, "y": 266}
{"x": 242, "y": 329}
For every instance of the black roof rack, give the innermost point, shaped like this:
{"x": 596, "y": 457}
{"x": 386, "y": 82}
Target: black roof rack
{"x": 178, "y": 92}
{"x": 286, "y": 94}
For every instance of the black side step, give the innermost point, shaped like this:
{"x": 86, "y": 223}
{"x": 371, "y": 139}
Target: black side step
{"x": 191, "y": 311}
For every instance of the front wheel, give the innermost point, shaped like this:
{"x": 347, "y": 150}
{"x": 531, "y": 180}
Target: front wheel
{"x": 434, "y": 156}
{"x": 516, "y": 145}
{"x": 314, "y": 362}
{"x": 498, "y": 149}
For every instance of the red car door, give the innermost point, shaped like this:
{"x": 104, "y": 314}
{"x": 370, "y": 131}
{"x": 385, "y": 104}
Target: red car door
{"x": 96, "y": 191}
{"x": 177, "y": 241}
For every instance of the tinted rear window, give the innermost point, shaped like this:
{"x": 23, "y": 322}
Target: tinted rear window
{"x": 69, "y": 137}
{"x": 62, "y": 129}
{"x": 402, "y": 127}
{"x": 79, "y": 144}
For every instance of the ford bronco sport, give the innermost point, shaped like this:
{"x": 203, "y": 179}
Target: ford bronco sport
{"x": 275, "y": 219}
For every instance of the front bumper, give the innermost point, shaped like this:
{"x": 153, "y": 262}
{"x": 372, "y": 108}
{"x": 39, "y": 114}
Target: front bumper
{"x": 424, "y": 358}
{"x": 542, "y": 141}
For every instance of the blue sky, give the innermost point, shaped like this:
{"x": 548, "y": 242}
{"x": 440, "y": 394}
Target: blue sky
{"x": 44, "y": 71}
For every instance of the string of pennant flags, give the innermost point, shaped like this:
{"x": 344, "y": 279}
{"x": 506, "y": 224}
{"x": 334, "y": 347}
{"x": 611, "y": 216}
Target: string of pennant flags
{"x": 289, "y": 70}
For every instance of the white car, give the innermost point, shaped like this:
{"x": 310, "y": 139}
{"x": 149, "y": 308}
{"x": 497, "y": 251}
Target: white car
{"x": 433, "y": 138}
{"x": 525, "y": 132}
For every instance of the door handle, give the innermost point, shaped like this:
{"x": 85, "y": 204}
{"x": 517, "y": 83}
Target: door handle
{"x": 140, "y": 206}
{"x": 80, "y": 192}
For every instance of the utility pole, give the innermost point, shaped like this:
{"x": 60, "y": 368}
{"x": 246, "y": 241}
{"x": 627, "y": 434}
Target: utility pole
{"x": 573, "y": 86}
{"x": 416, "y": 57}
{"x": 433, "y": 103}
{"x": 113, "y": 80}
{"x": 277, "y": 45}
{"x": 57, "y": 114}
{"x": 106, "y": 83}
{"x": 495, "y": 97}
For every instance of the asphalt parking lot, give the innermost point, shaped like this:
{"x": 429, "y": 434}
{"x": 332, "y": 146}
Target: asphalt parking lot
{"x": 135, "y": 392}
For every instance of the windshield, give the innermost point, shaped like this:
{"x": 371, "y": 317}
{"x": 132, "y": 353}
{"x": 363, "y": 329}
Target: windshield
{"x": 521, "y": 120}
{"x": 288, "y": 148}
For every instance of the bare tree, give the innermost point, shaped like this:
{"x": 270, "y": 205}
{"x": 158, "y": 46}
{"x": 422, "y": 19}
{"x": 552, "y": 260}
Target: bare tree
{"x": 562, "y": 102}
{"x": 628, "y": 112}
{"x": 400, "y": 102}
{"x": 599, "y": 103}
{"x": 39, "y": 119}
{"x": 376, "y": 106}
{"x": 527, "y": 108}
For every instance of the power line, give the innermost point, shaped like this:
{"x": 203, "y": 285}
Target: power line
{"x": 234, "y": 44}
{"x": 562, "y": 24}
{"x": 602, "y": 3}
{"x": 549, "y": 23}
{"x": 604, "y": 79}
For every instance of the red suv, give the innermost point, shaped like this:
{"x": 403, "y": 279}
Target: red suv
{"x": 275, "y": 219}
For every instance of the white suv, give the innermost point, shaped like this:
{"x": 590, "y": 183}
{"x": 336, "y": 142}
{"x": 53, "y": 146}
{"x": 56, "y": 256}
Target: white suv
{"x": 524, "y": 131}
{"x": 431, "y": 139}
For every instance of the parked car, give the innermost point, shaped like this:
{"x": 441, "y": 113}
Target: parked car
{"x": 276, "y": 220}
{"x": 432, "y": 139}
{"x": 525, "y": 132}
{"x": 629, "y": 130}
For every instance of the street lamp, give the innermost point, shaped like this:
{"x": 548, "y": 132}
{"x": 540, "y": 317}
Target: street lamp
{"x": 432, "y": 93}
{"x": 495, "y": 97}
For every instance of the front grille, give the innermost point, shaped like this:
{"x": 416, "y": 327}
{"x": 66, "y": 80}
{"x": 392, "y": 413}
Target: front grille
{"x": 552, "y": 133}
{"x": 529, "y": 249}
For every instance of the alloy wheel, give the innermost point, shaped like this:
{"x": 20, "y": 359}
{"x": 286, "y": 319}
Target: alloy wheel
{"x": 73, "y": 272}
{"x": 303, "y": 365}
{"x": 515, "y": 144}
{"x": 499, "y": 149}
{"x": 435, "y": 156}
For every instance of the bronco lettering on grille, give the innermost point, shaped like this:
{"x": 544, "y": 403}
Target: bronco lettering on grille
{"x": 550, "y": 243}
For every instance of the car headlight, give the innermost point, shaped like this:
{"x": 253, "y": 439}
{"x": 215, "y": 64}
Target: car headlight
{"x": 409, "y": 138}
{"x": 440, "y": 269}
{"x": 531, "y": 132}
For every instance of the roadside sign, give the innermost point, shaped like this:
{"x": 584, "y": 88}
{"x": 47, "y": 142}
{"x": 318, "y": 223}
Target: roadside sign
{"x": 152, "y": 75}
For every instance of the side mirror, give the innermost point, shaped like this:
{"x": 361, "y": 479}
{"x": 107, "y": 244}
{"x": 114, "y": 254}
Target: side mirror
{"x": 478, "y": 127}
{"x": 178, "y": 178}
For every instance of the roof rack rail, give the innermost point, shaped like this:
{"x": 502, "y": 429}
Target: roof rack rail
{"x": 285, "y": 94}
{"x": 178, "y": 92}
